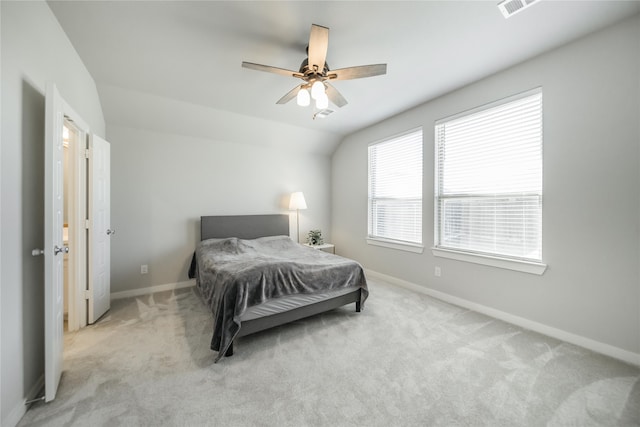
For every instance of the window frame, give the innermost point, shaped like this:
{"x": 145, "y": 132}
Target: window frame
{"x": 533, "y": 266}
{"x": 387, "y": 242}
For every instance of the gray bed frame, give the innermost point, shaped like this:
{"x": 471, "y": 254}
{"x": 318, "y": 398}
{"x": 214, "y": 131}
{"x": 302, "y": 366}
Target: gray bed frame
{"x": 252, "y": 227}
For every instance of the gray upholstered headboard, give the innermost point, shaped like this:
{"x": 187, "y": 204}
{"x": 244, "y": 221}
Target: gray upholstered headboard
{"x": 243, "y": 226}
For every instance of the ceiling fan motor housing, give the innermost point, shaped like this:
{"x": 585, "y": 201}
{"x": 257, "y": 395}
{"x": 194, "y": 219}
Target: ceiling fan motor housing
{"x": 309, "y": 72}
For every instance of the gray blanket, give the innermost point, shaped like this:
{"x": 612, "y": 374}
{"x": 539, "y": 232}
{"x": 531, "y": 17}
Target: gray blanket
{"x": 235, "y": 274}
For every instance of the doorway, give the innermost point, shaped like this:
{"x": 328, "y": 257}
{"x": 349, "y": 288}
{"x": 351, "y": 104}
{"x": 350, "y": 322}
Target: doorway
{"x": 74, "y": 233}
{"x": 85, "y": 226}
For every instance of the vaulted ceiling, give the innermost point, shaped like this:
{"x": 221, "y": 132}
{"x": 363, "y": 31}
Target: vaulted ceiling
{"x": 191, "y": 51}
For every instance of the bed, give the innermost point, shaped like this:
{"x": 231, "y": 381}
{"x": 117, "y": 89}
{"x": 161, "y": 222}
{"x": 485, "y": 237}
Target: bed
{"x": 254, "y": 277}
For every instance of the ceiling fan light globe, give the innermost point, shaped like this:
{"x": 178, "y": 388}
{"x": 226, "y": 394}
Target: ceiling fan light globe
{"x": 317, "y": 89}
{"x": 322, "y": 101}
{"x": 303, "y": 99}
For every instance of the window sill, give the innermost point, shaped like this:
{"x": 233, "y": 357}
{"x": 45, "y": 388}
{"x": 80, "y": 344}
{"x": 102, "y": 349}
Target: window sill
{"x": 506, "y": 263}
{"x": 418, "y": 249}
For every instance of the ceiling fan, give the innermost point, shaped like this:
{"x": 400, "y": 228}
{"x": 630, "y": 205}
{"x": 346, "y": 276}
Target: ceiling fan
{"x": 316, "y": 74}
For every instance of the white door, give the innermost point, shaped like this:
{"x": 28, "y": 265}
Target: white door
{"x": 53, "y": 247}
{"x": 100, "y": 231}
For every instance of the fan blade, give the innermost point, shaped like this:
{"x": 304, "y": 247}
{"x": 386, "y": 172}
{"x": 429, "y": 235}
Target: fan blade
{"x": 318, "y": 45}
{"x": 269, "y": 69}
{"x": 335, "y": 96}
{"x": 289, "y": 95}
{"x": 358, "y": 72}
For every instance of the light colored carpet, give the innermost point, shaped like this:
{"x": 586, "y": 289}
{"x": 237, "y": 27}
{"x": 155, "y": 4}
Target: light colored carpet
{"x": 406, "y": 360}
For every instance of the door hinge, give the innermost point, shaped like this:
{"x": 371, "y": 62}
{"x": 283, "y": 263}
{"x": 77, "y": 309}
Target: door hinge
{"x": 86, "y": 153}
{"x": 87, "y": 294}
{"x": 87, "y": 224}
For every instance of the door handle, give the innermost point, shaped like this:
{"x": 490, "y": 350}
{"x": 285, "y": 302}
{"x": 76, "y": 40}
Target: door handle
{"x": 37, "y": 252}
{"x": 57, "y": 249}
{"x": 110, "y": 231}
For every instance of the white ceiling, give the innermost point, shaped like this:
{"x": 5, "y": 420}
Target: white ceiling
{"x": 191, "y": 51}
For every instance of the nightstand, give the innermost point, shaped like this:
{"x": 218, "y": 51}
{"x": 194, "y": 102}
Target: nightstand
{"x": 327, "y": 247}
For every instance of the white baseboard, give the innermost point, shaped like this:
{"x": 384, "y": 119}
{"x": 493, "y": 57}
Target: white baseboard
{"x": 588, "y": 343}
{"x": 152, "y": 289}
{"x": 19, "y": 410}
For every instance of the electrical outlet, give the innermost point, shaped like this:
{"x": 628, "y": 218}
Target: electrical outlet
{"x": 438, "y": 272}
{"x": 144, "y": 269}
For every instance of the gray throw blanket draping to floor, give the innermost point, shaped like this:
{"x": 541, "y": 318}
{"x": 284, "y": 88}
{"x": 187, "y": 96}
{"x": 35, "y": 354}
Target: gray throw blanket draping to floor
{"x": 235, "y": 274}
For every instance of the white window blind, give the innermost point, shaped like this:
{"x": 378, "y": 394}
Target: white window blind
{"x": 489, "y": 179}
{"x": 395, "y": 189}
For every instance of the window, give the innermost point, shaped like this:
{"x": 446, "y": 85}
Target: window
{"x": 395, "y": 191}
{"x": 488, "y": 189}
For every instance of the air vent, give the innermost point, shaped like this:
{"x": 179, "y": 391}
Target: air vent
{"x": 511, "y": 7}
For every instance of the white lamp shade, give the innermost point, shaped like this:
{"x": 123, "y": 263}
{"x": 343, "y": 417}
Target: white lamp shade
{"x": 303, "y": 98}
{"x": 322, "y": 101}
{"x": 297, "y": 201}
{"x": 317, "y": 89}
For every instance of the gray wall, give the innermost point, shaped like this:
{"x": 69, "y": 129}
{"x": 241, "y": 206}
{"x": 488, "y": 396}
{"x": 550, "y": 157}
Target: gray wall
{"x": 591, "y": 217}
{"x": 34, "y": 50}
{"x": 173, "y": 162}
{"x": 162, "y": 183}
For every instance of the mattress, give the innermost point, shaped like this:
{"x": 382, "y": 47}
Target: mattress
{"x": 290, "y": 302}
